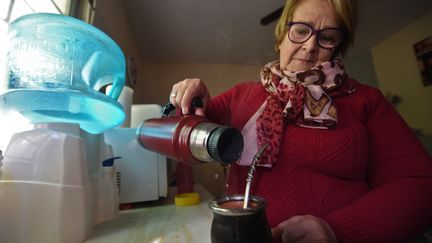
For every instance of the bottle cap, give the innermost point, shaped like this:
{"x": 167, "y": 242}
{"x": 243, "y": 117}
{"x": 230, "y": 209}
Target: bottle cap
{"x": 187, "y": 199}
{"x": 225, "y": 144}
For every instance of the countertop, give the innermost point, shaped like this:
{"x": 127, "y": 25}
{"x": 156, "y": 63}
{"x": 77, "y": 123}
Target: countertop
{"x": 161, "y": 222}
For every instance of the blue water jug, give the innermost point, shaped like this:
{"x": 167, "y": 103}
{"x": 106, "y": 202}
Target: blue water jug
{"x": 55, "y": 67}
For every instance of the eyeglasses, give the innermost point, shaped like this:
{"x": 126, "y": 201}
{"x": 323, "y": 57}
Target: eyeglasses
{"x": 327, "y": 38}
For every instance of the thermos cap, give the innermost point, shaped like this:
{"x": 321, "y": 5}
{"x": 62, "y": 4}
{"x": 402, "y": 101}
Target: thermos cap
{"x": 225, "y": 144}
{"x": 187, "y": 199}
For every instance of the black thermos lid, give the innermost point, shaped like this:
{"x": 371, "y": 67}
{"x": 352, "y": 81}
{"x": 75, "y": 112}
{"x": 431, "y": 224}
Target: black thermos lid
{"x": 225, "y": 144}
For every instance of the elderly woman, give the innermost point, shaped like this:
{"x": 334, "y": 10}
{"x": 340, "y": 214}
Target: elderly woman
{"x": 341, "y": 163}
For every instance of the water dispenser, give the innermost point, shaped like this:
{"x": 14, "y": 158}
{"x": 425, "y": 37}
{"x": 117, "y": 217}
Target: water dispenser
{"x": 55, "y": 67}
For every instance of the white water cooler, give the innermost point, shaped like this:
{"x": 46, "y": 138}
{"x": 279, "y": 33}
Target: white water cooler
{"x": 54, "y": 187}
{"x": 44, "y": 187}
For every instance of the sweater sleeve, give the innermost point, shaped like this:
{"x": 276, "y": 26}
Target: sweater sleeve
{"x": 235, "y": 99}
{"x": 398, "y": 206}
{"x": 218, "y": 109}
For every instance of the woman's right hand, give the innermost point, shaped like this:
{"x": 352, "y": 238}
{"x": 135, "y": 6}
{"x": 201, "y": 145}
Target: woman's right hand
{"x": 183, "y": 92}
{"x": 302, "y": 229}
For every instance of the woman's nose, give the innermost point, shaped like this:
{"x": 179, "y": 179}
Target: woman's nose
{"x": 311, "y": 44}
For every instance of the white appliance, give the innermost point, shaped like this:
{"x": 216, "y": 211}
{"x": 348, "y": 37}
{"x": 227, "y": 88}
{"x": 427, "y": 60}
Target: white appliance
{"x": 45, "y": 193}
{"x": 53, "y": 187}
{"x": 141, "y": 174}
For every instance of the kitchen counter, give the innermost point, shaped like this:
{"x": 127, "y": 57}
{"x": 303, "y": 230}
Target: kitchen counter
{"x": 161, "y": 222}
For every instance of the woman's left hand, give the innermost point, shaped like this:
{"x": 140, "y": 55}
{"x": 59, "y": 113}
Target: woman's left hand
{"x": 302, "y": 229}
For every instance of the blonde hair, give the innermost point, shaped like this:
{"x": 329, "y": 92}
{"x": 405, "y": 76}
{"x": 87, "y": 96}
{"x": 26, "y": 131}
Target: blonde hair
{"x": 346, "y": 15}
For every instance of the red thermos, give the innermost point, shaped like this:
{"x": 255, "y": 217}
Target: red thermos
{"x": 190, "y": 139}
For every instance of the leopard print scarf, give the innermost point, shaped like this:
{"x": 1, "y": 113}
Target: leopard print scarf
{"x": 291, "y": 94}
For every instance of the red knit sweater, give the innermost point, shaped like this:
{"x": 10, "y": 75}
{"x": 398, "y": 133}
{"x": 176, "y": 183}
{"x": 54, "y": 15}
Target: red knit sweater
{"x": 370, "y": 178}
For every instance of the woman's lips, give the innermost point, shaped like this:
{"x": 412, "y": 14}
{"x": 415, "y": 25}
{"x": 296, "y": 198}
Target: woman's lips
{"x": 303, "y": 60}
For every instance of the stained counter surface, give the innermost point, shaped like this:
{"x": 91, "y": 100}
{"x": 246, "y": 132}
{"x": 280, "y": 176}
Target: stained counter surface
{"x": 161, "y": 222}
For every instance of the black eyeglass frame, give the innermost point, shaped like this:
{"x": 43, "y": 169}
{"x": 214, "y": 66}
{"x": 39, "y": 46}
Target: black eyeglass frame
{"x": 290, "y": 24}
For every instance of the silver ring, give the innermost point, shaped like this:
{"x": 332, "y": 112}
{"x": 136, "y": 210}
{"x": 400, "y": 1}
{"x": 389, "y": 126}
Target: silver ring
{"x": 173, "y": 94}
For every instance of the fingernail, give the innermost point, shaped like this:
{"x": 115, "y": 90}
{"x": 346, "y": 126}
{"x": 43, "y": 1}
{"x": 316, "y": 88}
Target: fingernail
{"x": 185, "y": 111}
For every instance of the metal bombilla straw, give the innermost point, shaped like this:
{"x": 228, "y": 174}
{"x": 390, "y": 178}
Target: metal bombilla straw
{"x": 249, "y": 178}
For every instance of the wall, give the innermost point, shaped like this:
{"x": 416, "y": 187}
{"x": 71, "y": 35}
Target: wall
{"x": 398, "y": 73}
{"x": 158, "y": 78}
{"x": 111, "y": 18}
{"x": 361, "y": 68}
{"x": 155, "y": 78}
